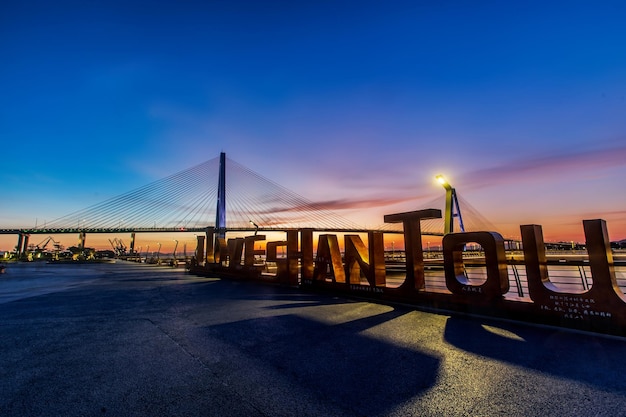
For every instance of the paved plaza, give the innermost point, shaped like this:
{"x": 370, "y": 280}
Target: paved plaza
{"x": 137, "y": 340}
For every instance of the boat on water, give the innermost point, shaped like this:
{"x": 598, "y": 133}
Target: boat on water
{"x": 3, "y": 268}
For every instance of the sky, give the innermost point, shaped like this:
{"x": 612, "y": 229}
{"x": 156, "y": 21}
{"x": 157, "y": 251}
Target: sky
{"x": 521, "y": 105}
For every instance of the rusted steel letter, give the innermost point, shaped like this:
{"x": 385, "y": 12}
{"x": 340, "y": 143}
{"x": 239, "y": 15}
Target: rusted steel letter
{"x": 536, "y": 261}
{"x": 210, "y": 251}
{"x": 292, "y": 257}
{"x": 200, "y": 250}
{"x": 272, "y": 256}
{"x": 603, "y": 303}
{"x": 497, "y": 282}
{"x": 306, "y": 249}
{"x": 369, "y": 260}
{"x": 249, "y": 251}
{"x": 328, "y": 257}
{"x": 221, "y": 251}
{"x": 235, "y": 250}
{"x": 413, "y": 244}
{"x": 601, "y": 257}
{"x": 287, "y": 267}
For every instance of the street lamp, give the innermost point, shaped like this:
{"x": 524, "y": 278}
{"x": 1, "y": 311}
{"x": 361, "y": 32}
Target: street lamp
{"x": 441, "y": 179}
{"x": 256, "y": 227}
{"x": 175, "y": 247}
{"x": 452, "y": 205}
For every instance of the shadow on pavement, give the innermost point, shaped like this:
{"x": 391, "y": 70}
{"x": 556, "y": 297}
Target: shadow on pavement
{"x": 594, "y": 360}
{"x": 354, "y": 371}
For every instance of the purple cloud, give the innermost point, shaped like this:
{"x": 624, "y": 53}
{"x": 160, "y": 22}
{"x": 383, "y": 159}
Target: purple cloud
{"x": 552, "y": 164}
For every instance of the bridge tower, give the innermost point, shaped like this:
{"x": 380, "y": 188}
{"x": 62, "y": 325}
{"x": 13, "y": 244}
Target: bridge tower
{"x": 220, "y": 215}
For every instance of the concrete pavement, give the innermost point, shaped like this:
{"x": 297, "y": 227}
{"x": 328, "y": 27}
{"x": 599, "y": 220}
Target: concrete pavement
{"x": 139, "y": 340}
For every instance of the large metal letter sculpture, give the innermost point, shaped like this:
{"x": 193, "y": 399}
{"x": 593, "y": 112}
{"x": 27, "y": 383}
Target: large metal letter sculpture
{"x": 369, "y": 260}
{"x": 210, "y": 246}
{"x": 286, "y": 267}
{"x": 306, "y": 252}
{"x": 413, "y": 244}
{"x": 235, "y": 250}
{"x": 602, "y": 307}
{"x": 497, "y": 282}
{"x": 250, "y": 253}
{"x": 200, "y": 249}
{"x": 328, "y": 259}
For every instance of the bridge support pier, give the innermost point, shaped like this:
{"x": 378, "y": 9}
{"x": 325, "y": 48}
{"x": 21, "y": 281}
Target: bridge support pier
{"x": 18, "y": 247}
{"x": 81, "y": 240}
{"x": 25, "y": 249}
{"x": 22, "y": 245}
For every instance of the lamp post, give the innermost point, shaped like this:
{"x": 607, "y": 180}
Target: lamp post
{"x": 256, "y": 227}
{"x": 452, "y": 204}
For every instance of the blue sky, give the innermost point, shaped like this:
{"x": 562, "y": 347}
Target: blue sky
{"x": 522, "y": 106}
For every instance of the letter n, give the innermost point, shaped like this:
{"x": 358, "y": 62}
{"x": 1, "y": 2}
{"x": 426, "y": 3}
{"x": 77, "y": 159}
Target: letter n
{"x": 328, "y": 259}
{"x": 358, "y": 258}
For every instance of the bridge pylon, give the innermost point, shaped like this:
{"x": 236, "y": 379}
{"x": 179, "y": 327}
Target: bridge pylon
{"x": 220, "y": 215}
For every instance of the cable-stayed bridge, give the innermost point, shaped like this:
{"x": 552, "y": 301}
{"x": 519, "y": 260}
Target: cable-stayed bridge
{"x": 224, "y": 194}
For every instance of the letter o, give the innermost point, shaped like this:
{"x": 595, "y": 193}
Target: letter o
{"x": 497, "y": 282}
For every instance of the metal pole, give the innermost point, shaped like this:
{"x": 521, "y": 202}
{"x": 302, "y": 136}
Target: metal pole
{"x": 449, "y": 218}
{"x": 458, "y": 210}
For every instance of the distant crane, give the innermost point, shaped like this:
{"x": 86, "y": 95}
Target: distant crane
{"x": 40, "y": 248}
{"x": 174, "y": 261}
{"x": 118, "y": 246}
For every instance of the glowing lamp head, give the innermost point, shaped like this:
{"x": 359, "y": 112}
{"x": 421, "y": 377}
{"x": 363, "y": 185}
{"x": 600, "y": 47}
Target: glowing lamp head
{"x": 256, "y": 227}
{"x": 441, "y": 180}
